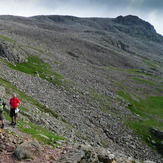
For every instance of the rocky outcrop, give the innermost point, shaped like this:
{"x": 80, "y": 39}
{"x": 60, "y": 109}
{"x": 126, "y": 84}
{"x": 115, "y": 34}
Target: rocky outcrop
{"x": 136, "y": 27}
{"x": 27, "y": 150}
{"x": 88, "y": 154}
{"x": 157, "y": 133}
{"x": 12, "y": 52}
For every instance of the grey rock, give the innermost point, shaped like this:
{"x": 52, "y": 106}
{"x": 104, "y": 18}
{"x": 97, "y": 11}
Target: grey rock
{"x": 12, "y": 52}
{"x": 74, "y": 155}
{"x": 153, "y": 142}
{"x": 157, "y": 133}
{"x": 27, "y": 150}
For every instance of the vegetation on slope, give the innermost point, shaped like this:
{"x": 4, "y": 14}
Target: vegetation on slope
{"x": 34, "y": 66}
{"x": 151, "y": 113}
{"x": 28, "y": 126}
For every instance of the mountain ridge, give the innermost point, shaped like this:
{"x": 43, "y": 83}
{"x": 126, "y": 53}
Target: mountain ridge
{"x": 129, "y": 20}
{"x": 84, "y": 82}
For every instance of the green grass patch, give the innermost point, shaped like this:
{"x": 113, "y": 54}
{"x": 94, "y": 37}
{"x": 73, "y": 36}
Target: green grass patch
{"x": 35, "y": 65}
{"x": 149, "y": 106}
{"x": 104, "y": 110}
{"x": 151, "y": 112}
{"x": 158, "y": 89}
{"x": 36, "y": 49}
{"x": 143, "y": 81}
{"x": 6, "y": 115}
{"x": 120, "y": 85}
{"x": 24, "y": 109}
{"x": 8, "y": 39}
{"x": 142, "y": 128}
{"x": 150, "y": 64}
{"x": 36, "y": 131}
{"x": 133, "y": 71}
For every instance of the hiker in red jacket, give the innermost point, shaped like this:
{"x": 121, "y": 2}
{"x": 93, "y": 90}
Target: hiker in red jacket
{"x": 14, "y": 103}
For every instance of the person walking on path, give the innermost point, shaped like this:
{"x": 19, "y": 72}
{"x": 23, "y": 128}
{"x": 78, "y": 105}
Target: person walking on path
{"x": 2, "y": 105}
{"x": 14, "y": 104}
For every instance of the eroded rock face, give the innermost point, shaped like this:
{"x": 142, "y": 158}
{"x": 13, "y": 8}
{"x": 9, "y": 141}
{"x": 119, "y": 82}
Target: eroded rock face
{"x": 12, "y": 52}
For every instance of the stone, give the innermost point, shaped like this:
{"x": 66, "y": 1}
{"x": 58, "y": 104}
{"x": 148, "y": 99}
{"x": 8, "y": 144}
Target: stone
{"x": 53, "y": 158}
{"x": 157, "y": 133}
{"x": 74, "y": 155}
{"x": 153, "y": 142}
{"x": 102, "y": 154}
{"x": 90, "y": 156}
{"x": 2, "y": 146}
{"x": 10, "y": 148}
{"x": 47, "y": 157}
{"x": 28, "y": 150}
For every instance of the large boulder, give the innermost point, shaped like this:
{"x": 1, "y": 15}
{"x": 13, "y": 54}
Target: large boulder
{"x": 157, "y": 133}
{"x": 29, "y": 149}
{"x": 74, "y": 155}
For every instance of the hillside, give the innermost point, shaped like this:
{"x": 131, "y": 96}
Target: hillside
{"x": 96, "y": 81}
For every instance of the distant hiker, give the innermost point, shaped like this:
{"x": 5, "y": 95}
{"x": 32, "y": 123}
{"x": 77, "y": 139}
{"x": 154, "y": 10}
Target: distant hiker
{"x": 2, "y": 105}
{"x": 14, "y": 103}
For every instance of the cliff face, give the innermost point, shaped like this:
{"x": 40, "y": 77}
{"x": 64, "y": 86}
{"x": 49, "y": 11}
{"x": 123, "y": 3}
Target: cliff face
{"x": 87, "y": 79}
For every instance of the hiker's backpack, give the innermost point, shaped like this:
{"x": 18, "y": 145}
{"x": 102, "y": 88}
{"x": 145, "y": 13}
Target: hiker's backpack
{"x": 1, "y": 105}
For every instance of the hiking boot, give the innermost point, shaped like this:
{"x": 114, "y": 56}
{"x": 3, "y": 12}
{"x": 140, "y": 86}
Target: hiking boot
{"x": 2, "y": 126}
{"x": 12, "y": 123}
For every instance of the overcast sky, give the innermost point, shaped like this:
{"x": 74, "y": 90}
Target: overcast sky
{"x": 149, "y": 10}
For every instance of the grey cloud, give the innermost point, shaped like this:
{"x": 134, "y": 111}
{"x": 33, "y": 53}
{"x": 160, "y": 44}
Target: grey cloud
{"x": 135, "y": 4}
{"x": 152, "y": 4}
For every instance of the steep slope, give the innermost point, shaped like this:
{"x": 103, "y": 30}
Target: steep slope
{"x": 76, "y": 71}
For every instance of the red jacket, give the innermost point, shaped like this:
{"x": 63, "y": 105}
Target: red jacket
{"x": 14, "y": 102}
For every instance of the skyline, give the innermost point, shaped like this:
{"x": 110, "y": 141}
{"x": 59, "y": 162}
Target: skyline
{"x": 148, "y": 10}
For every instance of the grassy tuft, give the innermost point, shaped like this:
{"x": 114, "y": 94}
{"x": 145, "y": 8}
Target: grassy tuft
{"x": 143, "y": 81}
{"x": 151, "y": 112}
{"x": 35, "y": 65}
{"x": 36, "y": 131}
{"x": 7, "y": 39}
{"x": 120, "y": 85}
{"x": 36, "y": 49}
